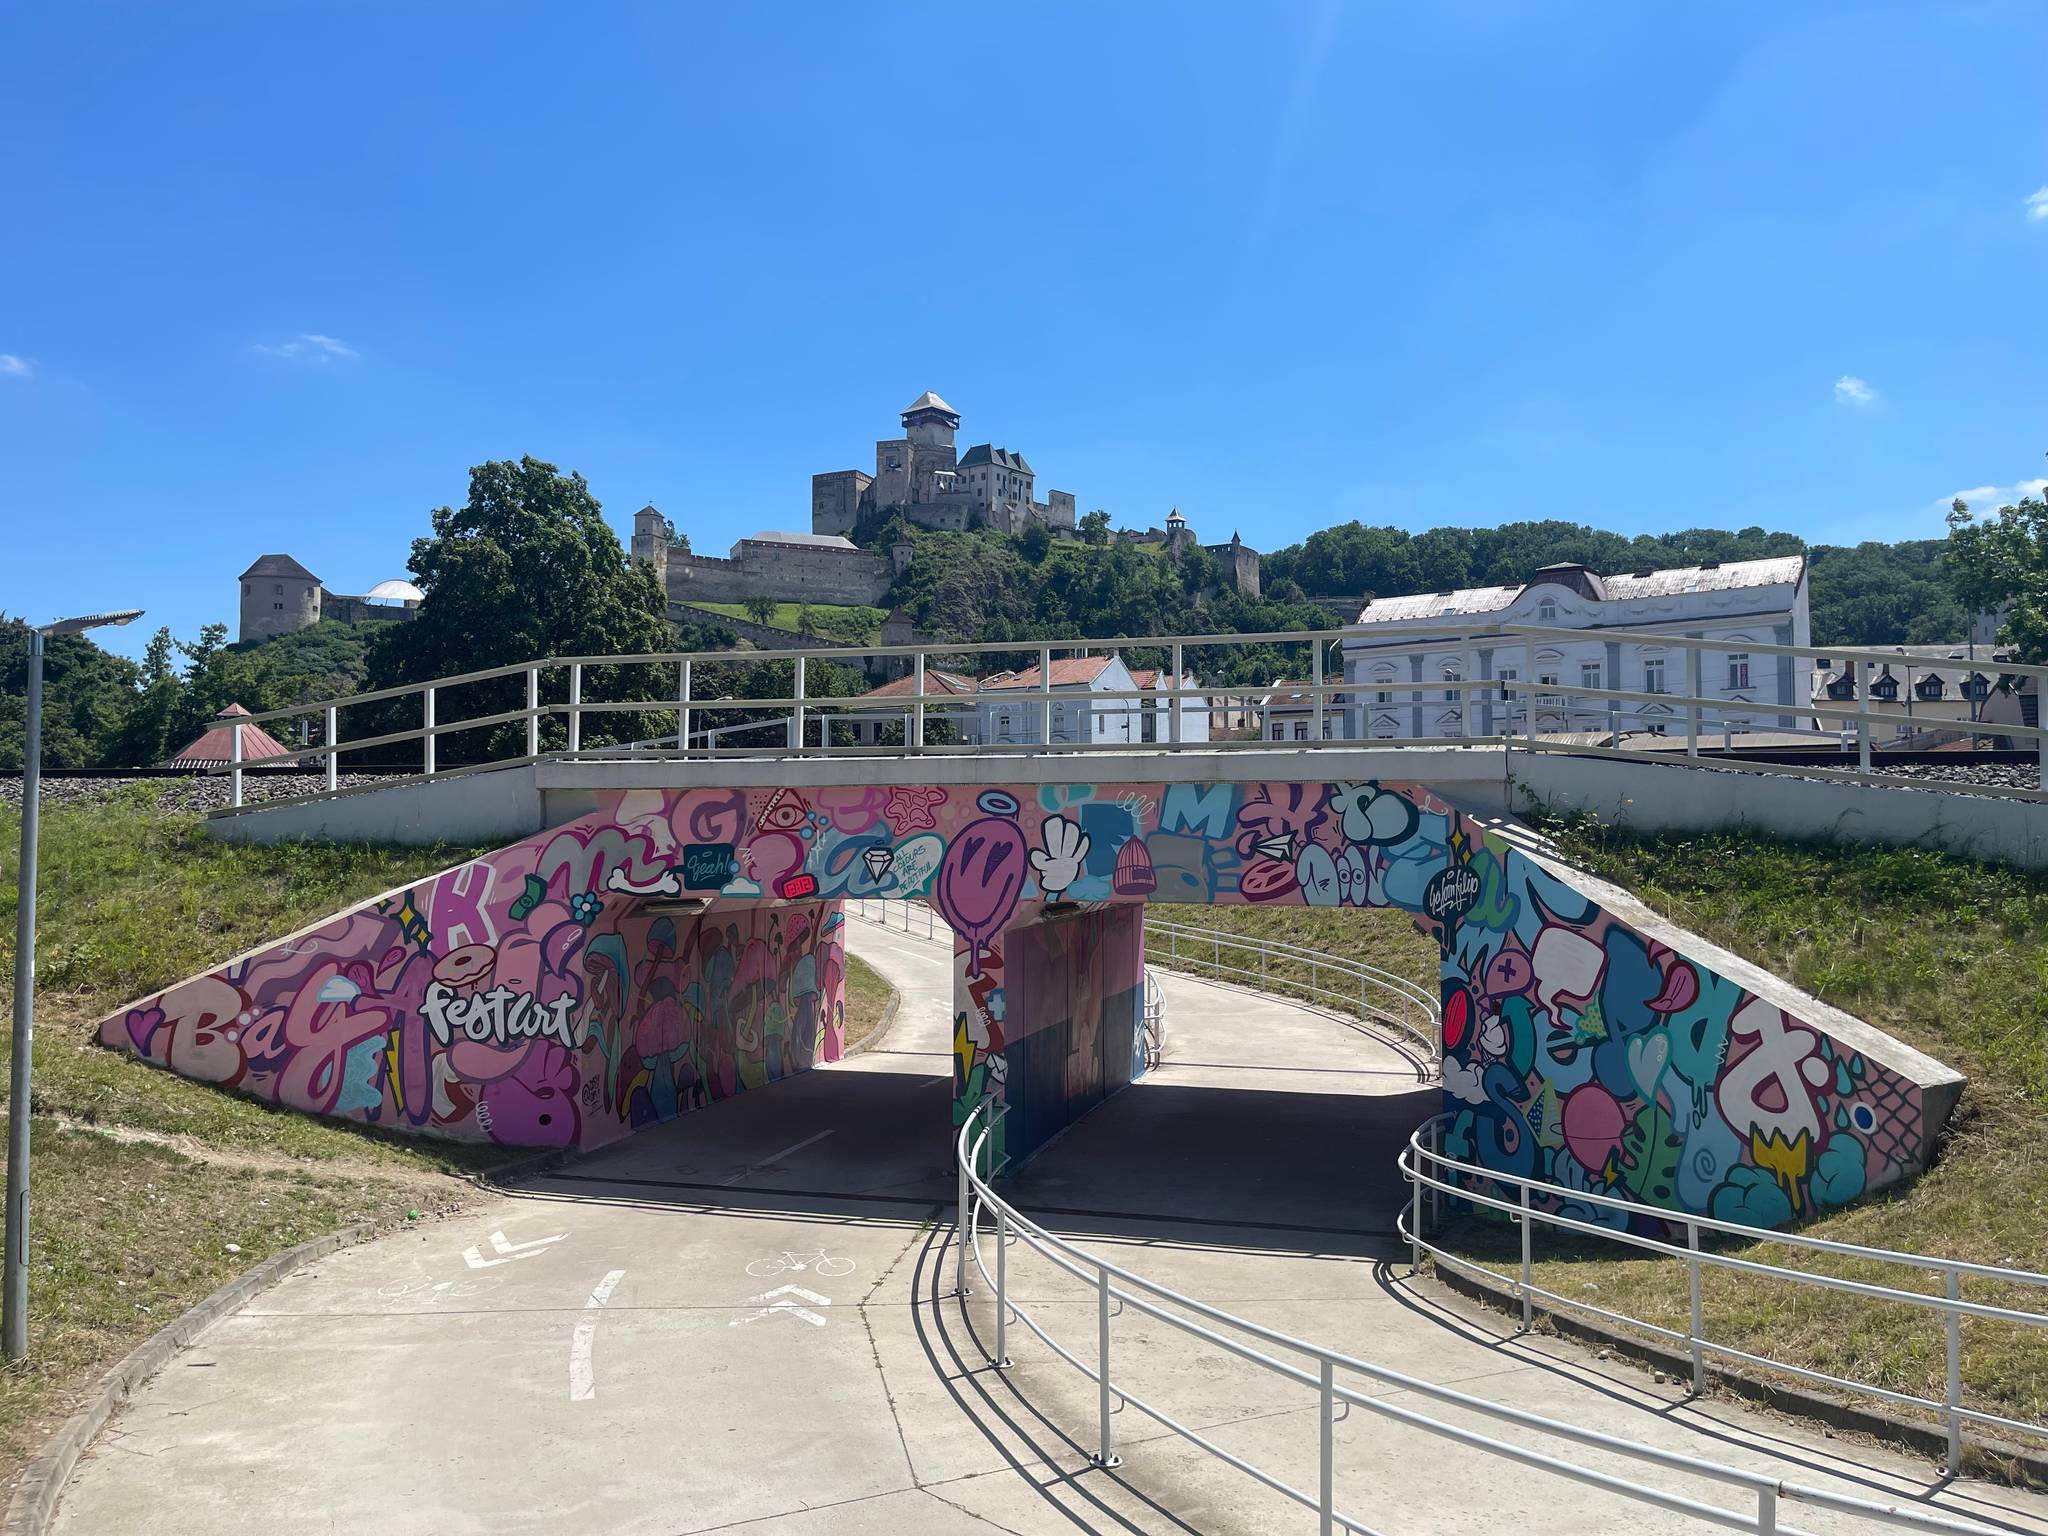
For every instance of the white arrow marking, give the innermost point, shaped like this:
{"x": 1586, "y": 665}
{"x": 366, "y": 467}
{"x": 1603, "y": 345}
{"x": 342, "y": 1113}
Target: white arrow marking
{"x": 784, "y": 1304}
{"x": 582, "y": 1374}
{"x": 475, "y": 1259}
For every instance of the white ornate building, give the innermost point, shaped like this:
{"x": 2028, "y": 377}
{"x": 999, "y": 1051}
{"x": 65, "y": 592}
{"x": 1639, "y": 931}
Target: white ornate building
{"x": 1406, "y": 672}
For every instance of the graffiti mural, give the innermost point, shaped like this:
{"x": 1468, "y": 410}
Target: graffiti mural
{"x": 535, "y": 997}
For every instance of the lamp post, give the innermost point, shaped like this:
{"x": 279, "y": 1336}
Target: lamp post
{"x": 14, "y": 1312}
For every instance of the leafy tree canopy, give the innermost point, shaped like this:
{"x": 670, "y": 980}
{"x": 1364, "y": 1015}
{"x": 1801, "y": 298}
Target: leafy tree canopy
{"x": 2002, "y": 561}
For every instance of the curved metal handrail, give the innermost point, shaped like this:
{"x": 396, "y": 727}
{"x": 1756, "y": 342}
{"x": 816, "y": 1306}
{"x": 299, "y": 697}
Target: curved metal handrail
{"x": 1413, "y": 1001}
{"x": 1427, "y": 1168}
{"x": 1114, "y": 1284}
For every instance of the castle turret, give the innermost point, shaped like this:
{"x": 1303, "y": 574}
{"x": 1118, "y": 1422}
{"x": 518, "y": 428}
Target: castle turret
{"x": 651, "y": 536}
{"x": 1177, "y": 531}
{"x": 279, "y": 595}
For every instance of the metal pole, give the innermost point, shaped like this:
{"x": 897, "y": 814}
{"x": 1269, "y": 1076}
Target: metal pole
{"x": 576, "y": 706}
{"x": 1415, "y": 1214}
{"x": 1107, "y": 1456}
{"x": 1692, "y": 710}
{"x": 1699, "y": 1354}
{"x": 683, "y": 706}
{"x": 1002, "y": 1361}
{"x": 796, "y": 715}
{"x": 235, "y": 757}
{"x": 916, "y": 742}
{"x": 1315, "y": 677}
{"x": 15, "y": 1326}
{"x": 427, "y": 724}
{"x": 960, "y": 1227}
{"x": 1859, "y": 673}
{"x": 1767, "y": 1511}
{"x": 1955, "y": 1376}
{"x": 1327, "y": 1500}
{"x": 1045, "y": 704}
{"x": 1528, "y": 1301}
{"x": 533, "y": 711}
{"x": 1175, "y": 706}
{"x": 333, "y": 758}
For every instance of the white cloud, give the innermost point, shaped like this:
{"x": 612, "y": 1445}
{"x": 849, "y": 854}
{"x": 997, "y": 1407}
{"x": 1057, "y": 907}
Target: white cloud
{"x": 2037, "y": 205}
{"x": 16, "y": 367}
{"x": 1850, "y": 390}
{"x": 308, "y": 347}
{"x": 1986, "y": 499}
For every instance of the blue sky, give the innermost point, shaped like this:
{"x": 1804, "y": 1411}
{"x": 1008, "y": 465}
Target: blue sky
{"x": 275, "y": 276}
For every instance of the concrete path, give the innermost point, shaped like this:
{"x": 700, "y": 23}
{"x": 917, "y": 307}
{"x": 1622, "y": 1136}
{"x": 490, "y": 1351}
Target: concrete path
{"x": 742, "y": 1321}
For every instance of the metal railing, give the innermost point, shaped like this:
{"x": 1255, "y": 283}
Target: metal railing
{"x": 1032, "y": 719}
{"x": 1152, "y": 1021}
{"x": 1321, "y": 1371}
{"x": 1349, "y": 987}
{"x": 1444, "y": 1178}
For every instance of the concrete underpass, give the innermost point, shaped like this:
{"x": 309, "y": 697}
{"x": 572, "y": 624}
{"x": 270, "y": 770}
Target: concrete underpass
{"x": 742, "y": 1320}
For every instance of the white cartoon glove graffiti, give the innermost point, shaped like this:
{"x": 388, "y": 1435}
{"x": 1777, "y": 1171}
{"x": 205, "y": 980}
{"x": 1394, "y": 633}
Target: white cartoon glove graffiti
{"x": 1058, "y": 863}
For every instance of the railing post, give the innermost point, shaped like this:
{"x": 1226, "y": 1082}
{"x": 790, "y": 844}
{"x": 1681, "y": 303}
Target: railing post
{"x": 1528, "y": 1301}
{"x": 1002, "y": 1360}
{"x": 1692, "y": 710}
{"x": 1859, "y": 673}
{"x": 575, "y": 706}
{"x": 1175, "y": 706}
{"x": 1767, "y": 1511}
{"x": 1315, "y": 677}
{"x": 1106, "y": 1455}
{"x": 333, "y": 757}
{"x": 1698, "y": 1331}
{"x": 960, "y": 1256}
{"x": 533, "y": 711}
{"x": 427, "y": 725}
{"x": 916, "y": 742}
{"x": 1045, "y": 703}
{"x": 796, "y": 714}
{"x": 683, "y": 706}
{"x": 235, "y": 757}
{"x": 1415, "y": 1212}
{"x": 1326, "y": 1501}
{"x": 1954, "y": 1399}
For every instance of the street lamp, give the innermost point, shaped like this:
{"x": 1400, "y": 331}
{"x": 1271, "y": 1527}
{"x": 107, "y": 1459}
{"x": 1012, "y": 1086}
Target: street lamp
{"x": 14, "y": 1313}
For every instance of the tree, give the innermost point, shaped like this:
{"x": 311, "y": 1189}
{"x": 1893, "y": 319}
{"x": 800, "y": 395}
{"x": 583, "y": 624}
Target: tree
{"x": 527, "y": 568}
{"x": 1095, "y": 527}
{"x": 760, "y": 608}
{"x": 88, "y": 695}
{"x": 2004, "y": 560}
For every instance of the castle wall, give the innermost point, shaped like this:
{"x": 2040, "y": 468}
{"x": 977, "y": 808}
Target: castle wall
{"x": 360, "y": 610}
{"x": 790, "y": 573}
{"x": 835, "y": 500}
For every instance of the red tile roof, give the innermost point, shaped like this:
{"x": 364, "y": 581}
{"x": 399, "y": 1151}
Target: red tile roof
{"x": 1069, "y": 672}
{"x": 216, "y": 744}
{"x": 935, "y": 682}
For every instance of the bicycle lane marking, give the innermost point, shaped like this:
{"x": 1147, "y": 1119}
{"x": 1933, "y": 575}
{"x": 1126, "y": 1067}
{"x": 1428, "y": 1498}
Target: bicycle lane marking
{"x": 773, "y": 1158}
{"x": 582, "y": 1373}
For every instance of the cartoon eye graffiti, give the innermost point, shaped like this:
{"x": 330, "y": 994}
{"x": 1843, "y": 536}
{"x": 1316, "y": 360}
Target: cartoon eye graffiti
{"x": 786, "y": 811}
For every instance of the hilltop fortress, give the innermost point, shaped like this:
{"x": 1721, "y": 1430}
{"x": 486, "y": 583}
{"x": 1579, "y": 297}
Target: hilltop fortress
{"x": 922, "y": 475}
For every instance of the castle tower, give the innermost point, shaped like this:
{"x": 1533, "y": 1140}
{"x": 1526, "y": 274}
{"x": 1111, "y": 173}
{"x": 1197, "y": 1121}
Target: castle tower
{"x": 1178, "y": 534}
{"x": 279, "y": 595}
{"x": 930, "y": 423}
{"x": 650, "y": 541}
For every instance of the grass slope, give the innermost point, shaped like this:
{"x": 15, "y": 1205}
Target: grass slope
{"x": 1946, "y": 954}
{"x": 829, "y": 621}
{"x": 151, "y": 1191}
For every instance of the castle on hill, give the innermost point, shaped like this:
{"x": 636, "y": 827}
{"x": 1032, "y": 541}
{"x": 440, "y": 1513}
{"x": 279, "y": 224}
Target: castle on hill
{"x": 923, "y": 475}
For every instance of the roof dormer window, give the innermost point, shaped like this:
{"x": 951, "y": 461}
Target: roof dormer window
{"x": 1546, "y": 611}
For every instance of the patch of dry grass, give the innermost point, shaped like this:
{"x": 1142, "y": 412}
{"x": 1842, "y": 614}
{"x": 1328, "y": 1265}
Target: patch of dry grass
{"x": 867, "y": 998}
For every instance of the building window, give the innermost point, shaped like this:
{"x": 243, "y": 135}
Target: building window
{"x": 278, "y": 606}
{"x": 1279, "y": 732}
{"x": 1329, "y": 728}
{"x": 1589, "y": 674}
{"x": 1546, "y": 611}
{"x": 1383, "y": 696}
{"x": 1451, "y": 675}
{"x": 1301, "y": 730}
{"x": 1546, "y": 680}
{"x": 1653, "y": 675}
{"x": 278, "y": 589}
{"x": 1738, "y": 669}
{"x": 1928, "y": 688}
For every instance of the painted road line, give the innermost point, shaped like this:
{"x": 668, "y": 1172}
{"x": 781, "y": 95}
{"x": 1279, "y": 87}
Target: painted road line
{"x": 773, "y": 1158}
{"x": 507, "y": 1251}
{"x": 782, "y": 1299}
{"x": 582, "y": 1373}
